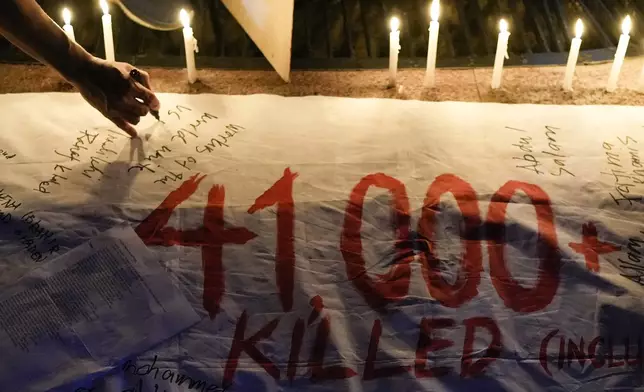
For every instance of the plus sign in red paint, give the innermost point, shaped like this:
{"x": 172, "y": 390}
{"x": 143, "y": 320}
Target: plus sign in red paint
{"x": 591, "y": 247}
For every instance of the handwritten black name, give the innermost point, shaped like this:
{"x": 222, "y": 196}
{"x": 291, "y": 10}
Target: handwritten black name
{"x": 35, "y": 239}
{"x": 6, "y": 154}
{"x": 633, "y": 264}
{"x": 83, "y": 143}
{"x": 534, "y": 160}
{"x": 174, "y": 378}
{"x": 626, "y": 170}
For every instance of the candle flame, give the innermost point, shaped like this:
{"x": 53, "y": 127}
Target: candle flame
{"x": 105, "y": 7}
{"x": 626, "y": 25}
{"x": 434, "y": 10}
{"x": 395, "y": 24}
{"x": 503, "y": 26}
{"x": 579, "y": 28}
{"x": 184, "y": 18}
{"x": 67, "y": 16}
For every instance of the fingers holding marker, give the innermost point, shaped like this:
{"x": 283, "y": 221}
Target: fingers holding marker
{"x": 146, "y": 96}
{"x": 142, "y": 89}
{"x": 145, "y": 80}
{"x": 134, "y": 106}
{"x": 129, "y": 112}
{"x": 130, "y": 117}
{"x": 124, "y": 125}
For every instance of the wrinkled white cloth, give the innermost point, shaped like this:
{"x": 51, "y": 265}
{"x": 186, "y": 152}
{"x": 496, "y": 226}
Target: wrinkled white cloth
{"x": 551, "y": 195}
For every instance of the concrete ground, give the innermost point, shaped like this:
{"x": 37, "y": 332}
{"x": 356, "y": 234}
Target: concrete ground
{"x": 540, "y": 85}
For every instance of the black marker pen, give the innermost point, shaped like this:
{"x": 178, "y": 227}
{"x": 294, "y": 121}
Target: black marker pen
{"x": 136, "y": 75}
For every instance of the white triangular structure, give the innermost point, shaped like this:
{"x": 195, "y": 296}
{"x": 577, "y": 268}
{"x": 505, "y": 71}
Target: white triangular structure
{"x": 269, "y": 23}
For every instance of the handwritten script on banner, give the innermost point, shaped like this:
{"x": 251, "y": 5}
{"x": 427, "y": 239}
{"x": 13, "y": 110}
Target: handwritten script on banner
{"x": 368, "y": 245}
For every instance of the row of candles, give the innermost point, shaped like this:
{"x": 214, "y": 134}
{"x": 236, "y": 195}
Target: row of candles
{"x": 190, "y": 44}
{"x": 189, "y": 40}
{"x": 502, "y": 52}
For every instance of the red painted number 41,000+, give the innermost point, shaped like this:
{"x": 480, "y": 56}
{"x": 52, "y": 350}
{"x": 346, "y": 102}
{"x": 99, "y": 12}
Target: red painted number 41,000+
{"x": 379, "y": 290}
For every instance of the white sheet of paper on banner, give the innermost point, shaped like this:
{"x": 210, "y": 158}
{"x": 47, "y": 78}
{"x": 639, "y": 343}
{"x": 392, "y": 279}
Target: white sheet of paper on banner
{"x": 85, "y": 312}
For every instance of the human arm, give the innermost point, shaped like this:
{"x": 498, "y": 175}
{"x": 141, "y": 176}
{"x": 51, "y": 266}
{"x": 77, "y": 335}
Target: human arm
{"x": 106, "y": 86}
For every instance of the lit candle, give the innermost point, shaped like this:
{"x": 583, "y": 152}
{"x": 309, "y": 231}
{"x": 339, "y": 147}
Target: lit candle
{"x": 69, "y": 30}
{"x": 619, "y": 55}
{"x": 501, "y": 53}
{"x": 394, "y": 48}
{"x": 108, "y": 38}
{"x": 430, "y": 74}
{"x": 575, "y": 45}
{"x": 190, "y": 44}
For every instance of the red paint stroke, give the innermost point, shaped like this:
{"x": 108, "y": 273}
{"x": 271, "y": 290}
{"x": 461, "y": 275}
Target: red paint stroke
{"x": 597, "y": 361}
{"x": 428, "y": 343}
{"x": 590, "y": 247}
{"x": 516, "y": 297}
{"x": 611, "y": 356}
{"x": 492, "y": 353}
{"x": 638, "y": 358}
{"x": 465, "y": 287}
{"x": 316, "y": 362}
{"x": 318, "y": 306}
{"x": 394, "y": 284}
{"x": 562, "y": 352}
{"x": 576, "y": 352}
{"x": 210, "y": 237}
{"x": 248, "y": 345}
{"x": 370, "y": 371}
{"x": 543, "y": 351}
{"x": 296, "y": 346}
{"x": 281, "y": 193}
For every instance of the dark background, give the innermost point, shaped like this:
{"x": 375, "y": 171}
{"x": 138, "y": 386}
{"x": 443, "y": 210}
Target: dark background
{"x": 355, "y": 33}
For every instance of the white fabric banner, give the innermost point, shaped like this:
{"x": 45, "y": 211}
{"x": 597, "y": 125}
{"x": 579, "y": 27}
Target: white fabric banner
{"x": 353, "y": 244}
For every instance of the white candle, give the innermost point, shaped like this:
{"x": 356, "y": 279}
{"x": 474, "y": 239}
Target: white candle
{"x": 619, "y": 55}
{"x": 69, "y": 30}
{"x": 501, "y": 54}
{"x": 394, "y": 48}
{"x": 190, "y": 44}
{"x": 430, "y": 74}
{"x": 575, "y": 45}
{"x": 108, "y": 38}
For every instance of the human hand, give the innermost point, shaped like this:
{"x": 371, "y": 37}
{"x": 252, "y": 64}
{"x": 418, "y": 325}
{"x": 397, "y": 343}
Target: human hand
{"x": 109, "y": 88}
